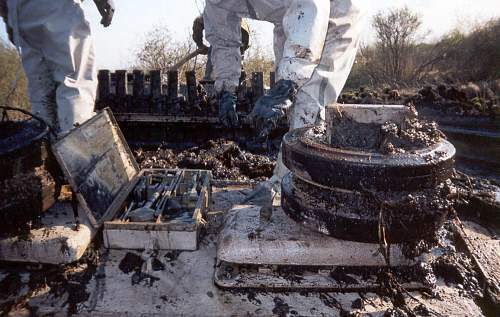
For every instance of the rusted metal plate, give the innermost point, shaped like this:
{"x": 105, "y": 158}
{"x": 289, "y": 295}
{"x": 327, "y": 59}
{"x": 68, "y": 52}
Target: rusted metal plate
{"x": 352, "y": 215}
{"x": 99, "y": 166}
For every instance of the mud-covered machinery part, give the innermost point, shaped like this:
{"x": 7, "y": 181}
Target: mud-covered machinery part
{"x": 354, "y": 215}
{"x": 318, "y": 162}
{"x": 30, "y": 178}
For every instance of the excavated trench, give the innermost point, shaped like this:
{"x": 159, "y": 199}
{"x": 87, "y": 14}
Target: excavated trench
{"x": 230, "y": 160}
{"x": 29, "y": 176}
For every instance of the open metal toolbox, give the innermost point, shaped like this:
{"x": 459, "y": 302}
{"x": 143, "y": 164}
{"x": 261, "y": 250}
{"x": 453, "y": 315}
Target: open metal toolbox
{"x": 179, "y": 230}
{"x": 103, "y": 173}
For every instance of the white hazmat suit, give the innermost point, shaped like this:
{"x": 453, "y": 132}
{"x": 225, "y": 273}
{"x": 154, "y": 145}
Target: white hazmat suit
{"x": 315, "y": 44}
{"x": 58, "y": 57}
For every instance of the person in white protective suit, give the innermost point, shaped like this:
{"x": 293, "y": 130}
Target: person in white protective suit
{"x": 315, "y": 44}
{"x": 56, "y": 48}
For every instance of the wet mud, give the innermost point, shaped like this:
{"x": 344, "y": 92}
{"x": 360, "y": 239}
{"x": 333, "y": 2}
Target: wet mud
{"x": 226, "y": 160}
{"x": 130, "y": 263}
{"x": 135, "y": 264}
{"x": 67, "y": 282}
{"x": 478, "y": 199}
{"x": 389, "y": 138}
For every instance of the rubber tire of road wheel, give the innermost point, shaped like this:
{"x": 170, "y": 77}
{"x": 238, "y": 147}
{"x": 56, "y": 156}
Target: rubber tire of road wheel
{"x": 353, "y": 216}
{"x": 333, "y": 167}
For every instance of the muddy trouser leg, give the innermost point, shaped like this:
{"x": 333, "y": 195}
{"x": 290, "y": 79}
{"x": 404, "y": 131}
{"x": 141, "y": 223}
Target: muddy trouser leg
{"x": 329, "y": 77}
{"x": 301, "y": 52}
{"x": 67, "y": 51}
{"x": 301, "y": 30}
{"x": 223, "y": 32}
{"x": 73, "y": 67}
{"x": 305, "y": 25}
{"x": 41, "y": 85}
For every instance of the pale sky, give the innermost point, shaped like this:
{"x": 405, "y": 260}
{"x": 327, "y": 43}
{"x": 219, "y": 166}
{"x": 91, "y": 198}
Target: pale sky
{"x": 115, "y": 46}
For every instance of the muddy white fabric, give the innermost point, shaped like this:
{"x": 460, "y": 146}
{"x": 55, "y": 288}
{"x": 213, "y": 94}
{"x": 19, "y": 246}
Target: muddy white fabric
{"x": 315, "y": 44}
{"x": 57, "y": 52}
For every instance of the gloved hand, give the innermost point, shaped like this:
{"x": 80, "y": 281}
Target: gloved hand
{"x": 270, "y": 109}
{"x": 227, "y": 109}
{"x": 107, "y": 10}
{"x": 198, "y": 27}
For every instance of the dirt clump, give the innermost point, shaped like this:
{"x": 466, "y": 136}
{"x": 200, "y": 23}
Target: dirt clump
{"x": 131, "y": 262}
{"x": 389, "y": 138}
{"x": 226, "y": 160}
{"x": 467, "y": 100}
{"x": 458, "y": 268}
{"x": 477, "y": 198}
{"x": 412, "y": 135}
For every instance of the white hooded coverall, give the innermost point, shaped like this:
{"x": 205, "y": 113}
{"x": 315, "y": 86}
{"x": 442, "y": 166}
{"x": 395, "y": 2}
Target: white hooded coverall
{"x": 315, "y": 45}
{"x": 58, "y": 58}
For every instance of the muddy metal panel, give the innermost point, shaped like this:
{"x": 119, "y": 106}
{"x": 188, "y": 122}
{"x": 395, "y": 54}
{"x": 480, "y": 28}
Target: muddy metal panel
{"x": 98, "y": 164}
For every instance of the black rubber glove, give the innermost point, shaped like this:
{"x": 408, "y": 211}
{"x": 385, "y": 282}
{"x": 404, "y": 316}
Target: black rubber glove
{"x": 227, "y": 109}
{"x": 270, "y": 109}
{"x": 107, "y": 10}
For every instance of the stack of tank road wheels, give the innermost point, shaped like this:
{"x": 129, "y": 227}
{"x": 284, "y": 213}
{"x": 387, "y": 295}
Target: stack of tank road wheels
{"x": 30, "y": 179}
{"x": 373, "y": 173}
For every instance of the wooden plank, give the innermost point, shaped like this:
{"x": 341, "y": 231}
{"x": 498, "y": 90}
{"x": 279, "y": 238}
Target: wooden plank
{"x": 257, "y": 85}
{"x": 191, "y": 87}
{"x": 272, "y": 79}
{"x": 485, "y": 250}
{"x": 121, "y": 83}
{"x": 138, "y": 85}
{"x": 104, "y": 84}
{"x": 145, "y": 117}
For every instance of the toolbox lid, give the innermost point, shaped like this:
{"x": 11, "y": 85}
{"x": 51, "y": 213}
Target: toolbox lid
{"x": 99, "y": 166}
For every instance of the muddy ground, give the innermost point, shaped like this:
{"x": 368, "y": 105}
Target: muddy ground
{"x": 27, "y": 288}
{"x": 102, "y": 280}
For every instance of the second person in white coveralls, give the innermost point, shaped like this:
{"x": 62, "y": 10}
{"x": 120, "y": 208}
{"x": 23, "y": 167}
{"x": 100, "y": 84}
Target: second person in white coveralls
{"x": 315, "y": 45}
{"x": 56, "y": 48}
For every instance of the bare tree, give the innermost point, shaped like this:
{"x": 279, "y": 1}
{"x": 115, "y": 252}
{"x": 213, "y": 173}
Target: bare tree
{"x": 256, "y": 59}
{"x": 159, "y": 52}
{"x": 397, "y": 32}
